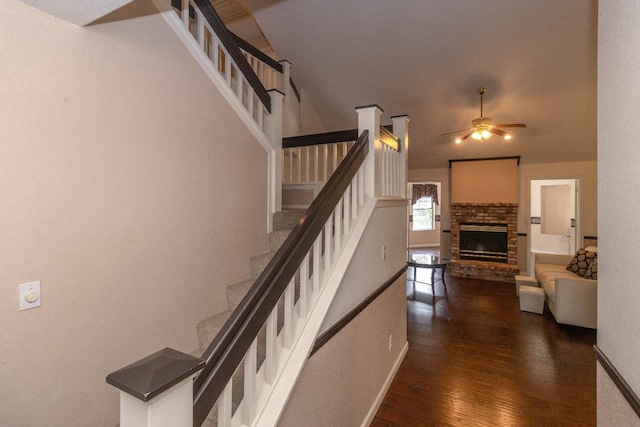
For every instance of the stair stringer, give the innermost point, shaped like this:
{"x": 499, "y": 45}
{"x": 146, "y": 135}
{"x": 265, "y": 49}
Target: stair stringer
{"x": 274, "y": 397}
{"x": 174, "y": 21}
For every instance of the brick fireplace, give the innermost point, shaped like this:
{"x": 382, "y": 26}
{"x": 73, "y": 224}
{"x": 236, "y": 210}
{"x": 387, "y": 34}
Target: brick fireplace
{"x": 496, "y": 216}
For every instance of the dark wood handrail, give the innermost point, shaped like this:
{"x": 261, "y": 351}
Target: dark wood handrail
{"x": 228, "y": 41}
{"x": 320, "y": 138}
{"x": 254, "y": 51}
{"x": 387, "y": 137}
{"x": 295, "y": 89}
{"x": 234, "y": 339}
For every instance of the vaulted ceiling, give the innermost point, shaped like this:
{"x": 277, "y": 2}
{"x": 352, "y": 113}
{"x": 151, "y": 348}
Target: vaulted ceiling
{"x": 426, "y": 58}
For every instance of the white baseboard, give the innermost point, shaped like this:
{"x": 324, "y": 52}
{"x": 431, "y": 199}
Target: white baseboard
{"x": 383, "y": 391}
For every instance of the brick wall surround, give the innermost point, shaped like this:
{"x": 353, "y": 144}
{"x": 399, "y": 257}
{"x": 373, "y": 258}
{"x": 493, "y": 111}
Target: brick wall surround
{"x": 493, "y": 213}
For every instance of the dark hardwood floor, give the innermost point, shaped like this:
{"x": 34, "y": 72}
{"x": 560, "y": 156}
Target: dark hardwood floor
{"x": 475, "y": 359}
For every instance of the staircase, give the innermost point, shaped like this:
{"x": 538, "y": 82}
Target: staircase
{"x": 283, "y": 223}
{"x": 255, "y": 350}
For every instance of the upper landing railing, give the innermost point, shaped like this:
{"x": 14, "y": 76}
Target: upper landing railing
{"x": 314, "y": 158}
{"x": 221, "y": 47}
{"x": 248, "y": 72}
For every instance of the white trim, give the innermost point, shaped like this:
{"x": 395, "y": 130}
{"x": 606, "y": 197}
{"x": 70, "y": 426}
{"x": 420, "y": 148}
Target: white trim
{"x": 424, "y": 245}
{"x": 192, "y": 44}
{"x": 383, "y": 391}
{"x": 278, "y": 394}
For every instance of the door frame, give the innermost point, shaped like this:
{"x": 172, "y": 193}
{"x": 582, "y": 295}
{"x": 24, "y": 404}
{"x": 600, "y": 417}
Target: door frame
{"x": 577, "y": 229}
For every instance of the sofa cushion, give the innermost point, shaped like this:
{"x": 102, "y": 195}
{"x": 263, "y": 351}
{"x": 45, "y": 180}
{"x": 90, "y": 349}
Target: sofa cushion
{"x": 549, "y": 269}
{"x": 547, "y": 275}
{"x": 580, "y": 262}
{"x": 592, "y": 270}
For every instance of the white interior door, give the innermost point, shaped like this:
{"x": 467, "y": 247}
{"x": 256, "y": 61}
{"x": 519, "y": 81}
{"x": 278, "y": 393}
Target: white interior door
{"x": 554, "y": 216}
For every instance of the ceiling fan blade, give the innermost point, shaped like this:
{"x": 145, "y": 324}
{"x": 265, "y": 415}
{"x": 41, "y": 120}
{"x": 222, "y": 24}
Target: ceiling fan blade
{"x": 510, "y": 125}
{"x": 498, "y": 132}
{"x": 466, "y": 136}
{"x": 455, "y": 131}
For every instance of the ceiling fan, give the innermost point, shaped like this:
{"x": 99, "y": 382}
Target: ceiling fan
{"x": 482, "y": 128}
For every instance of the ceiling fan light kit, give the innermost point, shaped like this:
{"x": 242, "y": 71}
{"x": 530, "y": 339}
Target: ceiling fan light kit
{"x": 482, "y": 127}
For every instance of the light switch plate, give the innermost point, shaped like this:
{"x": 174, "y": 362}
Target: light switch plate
{"x": 30, "y": 296}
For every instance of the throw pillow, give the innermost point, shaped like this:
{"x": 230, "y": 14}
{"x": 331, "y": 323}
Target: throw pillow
{"x": 592, "y": 270}
{"x": 580, "y": 262}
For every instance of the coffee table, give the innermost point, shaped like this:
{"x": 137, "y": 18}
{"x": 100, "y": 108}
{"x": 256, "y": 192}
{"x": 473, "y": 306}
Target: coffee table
{"x": 428, "y": 261}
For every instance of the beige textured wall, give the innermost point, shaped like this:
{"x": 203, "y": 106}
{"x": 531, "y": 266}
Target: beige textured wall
{"x": 368, "y": 270}
{"x": 484, "y": 181}
{"x": 613, "y": 408}
{"x": 425, "y": 238}
{"x": 618, "y": 183}
{"x": 340, "y": 382}
{"x": 126, "y": 191}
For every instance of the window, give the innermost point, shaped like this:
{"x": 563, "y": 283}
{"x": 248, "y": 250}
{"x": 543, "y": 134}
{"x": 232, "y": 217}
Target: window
{"x": 423, "y": 214}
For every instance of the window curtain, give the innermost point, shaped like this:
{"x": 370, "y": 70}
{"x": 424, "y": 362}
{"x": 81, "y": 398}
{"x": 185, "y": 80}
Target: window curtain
{"x": 421, "y": 190}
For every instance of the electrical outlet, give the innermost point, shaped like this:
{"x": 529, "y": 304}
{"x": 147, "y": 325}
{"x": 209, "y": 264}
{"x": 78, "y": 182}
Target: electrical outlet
{"x": 390, "y": 342}
{"x": 384, "y": 252}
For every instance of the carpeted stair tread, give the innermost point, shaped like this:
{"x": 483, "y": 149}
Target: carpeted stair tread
{"x": 237, "y": 291}
{"x": 198, "y": 352}
{"x": 209, "y": 328}
{"x": 259, "y": 262}
{"x": 277, "y": 238}
{"x": 287, "y": 218}
{"x": 283, "y": 222}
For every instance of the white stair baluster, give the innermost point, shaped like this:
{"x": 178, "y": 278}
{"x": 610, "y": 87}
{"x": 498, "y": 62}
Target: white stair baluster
{"x": 328, "y": 231}
{"x": 304, "y": 287}
{"x": 347, "y": 210}
{"x": 325, "y": 160}
{"x": 316, "y": 171}
{"x": 271, "y": 359}
{"x": 338, "y": 226}
{"x": 317, "y": 247}
{"x": 289, "y": 323}
{"x": 307, "y": 163}
{"x": 185, "y": 13}
{"x": 249, "y": 402}
{"x": 201, "y": 21}
{"x": 224, "y": 406}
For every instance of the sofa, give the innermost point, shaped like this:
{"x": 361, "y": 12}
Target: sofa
{"x": 572, "y": 298}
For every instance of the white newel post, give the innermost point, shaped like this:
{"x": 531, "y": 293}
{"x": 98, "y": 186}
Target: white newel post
{"x": 274, "y": 132}
{"x": 369, "y": 119}
{"x": 285, "y": 88}
{"x": 401, "y": 130}
{"x": 285, "y": 77}
{"x": 157, "y": 391}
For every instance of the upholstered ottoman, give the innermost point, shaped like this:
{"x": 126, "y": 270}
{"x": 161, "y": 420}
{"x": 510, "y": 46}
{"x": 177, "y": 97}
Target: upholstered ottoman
{"x": 525, "y": 281}
{"x": 531, "y": 299}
